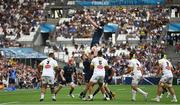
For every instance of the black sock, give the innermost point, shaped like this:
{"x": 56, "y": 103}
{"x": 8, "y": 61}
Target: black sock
{"x": 110, "y": 95}
{"x": 72, "y": 89}
{"x": 97, "y": 90}
{"x": 164, "y": 91}
{"x": 83, "y": 93}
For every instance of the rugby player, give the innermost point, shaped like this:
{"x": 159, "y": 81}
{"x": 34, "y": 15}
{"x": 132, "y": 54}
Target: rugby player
{"x": 136, "y": 68}
{"x": 165, "y": 68}
{"x": 98, "y": 64}
{"x": 47, "y": 70}
{"x": 67, "y": 74}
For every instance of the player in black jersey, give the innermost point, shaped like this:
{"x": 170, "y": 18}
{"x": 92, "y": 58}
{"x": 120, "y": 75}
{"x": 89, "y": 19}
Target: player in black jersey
{"x": 87, "y": 72}
{"x": 66, "y": 77}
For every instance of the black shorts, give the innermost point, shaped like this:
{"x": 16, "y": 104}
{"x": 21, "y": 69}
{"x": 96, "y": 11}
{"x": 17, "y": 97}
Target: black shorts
{"x": 107, "y": 80}
{"x": 11, "y": 81}
{"x": 68, "y": 80}
{"x": 87, "y": 78}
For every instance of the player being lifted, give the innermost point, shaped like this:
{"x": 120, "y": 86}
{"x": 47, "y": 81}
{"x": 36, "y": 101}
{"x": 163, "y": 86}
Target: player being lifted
{"x": 136, "y": 68}
{"x": 47, "y": 70}
{"x": 66, "y": 77}
{"x": 165, "y": 67}
{"x": 99, "y": 64}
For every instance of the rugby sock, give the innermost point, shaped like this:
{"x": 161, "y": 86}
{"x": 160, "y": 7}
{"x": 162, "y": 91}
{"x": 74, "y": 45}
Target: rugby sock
{"x": 96, "y": 91}
{"x": 110, "y": 95}
{"x": 83, "y": 93}
{"x": 141, "y": 91}
{"x": 91, "y": 96}
{"x": 158, "y": 97}
{"x": 53, "y": 96}
{"x": 133, "y": 94}
{"x": 174, "y": 97}
{"x": 42, "y": 95}
{"x": 72, "y": 89}
{"x": 104, "y": 95}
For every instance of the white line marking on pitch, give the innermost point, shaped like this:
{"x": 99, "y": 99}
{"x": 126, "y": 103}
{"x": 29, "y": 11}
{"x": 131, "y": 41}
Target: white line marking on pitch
{"x": 8, "y": 103}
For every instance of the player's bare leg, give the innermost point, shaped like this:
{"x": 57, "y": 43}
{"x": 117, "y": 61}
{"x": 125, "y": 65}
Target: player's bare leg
{"x": 71, "y": 90}
{"x": 159, "y": 91}
{"x": 59, "y": 87}
{"x": 90, "y": 87}
{"x": 172, "y": 92}
{"x": 135, "y": 89}
{"x": 103, "y": 91}
{"x": 109, "y": 92}
{"x": 43, "y": 91}
{"x": 53, "y": 92}
{"x": 83, "y": 93}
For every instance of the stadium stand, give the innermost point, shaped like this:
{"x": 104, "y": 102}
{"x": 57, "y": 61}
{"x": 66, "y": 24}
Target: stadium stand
{"x": 142, "y": 29}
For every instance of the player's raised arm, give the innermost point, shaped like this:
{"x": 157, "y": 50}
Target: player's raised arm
{"x": 92, "y": 21}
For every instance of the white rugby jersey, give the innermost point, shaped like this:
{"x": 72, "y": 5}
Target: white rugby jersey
{"x": 166, "y": 67}
{"x": 48, "y": 67}
{"x": 136, "y": 65}
{"x": 99, "y": 63}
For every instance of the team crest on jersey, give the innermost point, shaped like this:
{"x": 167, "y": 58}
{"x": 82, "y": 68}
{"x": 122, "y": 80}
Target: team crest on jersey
{"x": 47, "y": 66}
{"x": 100, "y": 67}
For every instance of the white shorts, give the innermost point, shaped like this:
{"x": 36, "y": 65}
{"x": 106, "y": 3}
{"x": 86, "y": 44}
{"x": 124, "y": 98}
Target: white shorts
{"x": 166, "y": 79}
{"x": 71, "y": 84}
{"x": 135, "y": 80}
{"x": 97, "y": 78}
{"x": 47, "y": 80}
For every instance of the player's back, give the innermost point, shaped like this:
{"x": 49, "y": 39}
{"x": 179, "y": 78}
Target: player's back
{"x": 136, "y": 65}
{"x": 48, "y": 66}
{"x": 99, "y": 63}
{"x": 166, "y": 67}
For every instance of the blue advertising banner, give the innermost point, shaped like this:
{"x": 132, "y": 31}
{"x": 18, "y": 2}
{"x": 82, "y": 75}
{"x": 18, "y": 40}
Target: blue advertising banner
{"x": 110, "y": 27}
{"x": 174, "y": 27}
{"x": 119, "y": 2}
{"x": 47, "y": 27}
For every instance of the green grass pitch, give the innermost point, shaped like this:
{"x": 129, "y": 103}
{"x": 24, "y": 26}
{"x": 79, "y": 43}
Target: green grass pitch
{"x": 123, "y": 96}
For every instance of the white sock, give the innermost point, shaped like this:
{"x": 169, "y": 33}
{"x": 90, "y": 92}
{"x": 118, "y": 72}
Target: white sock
{"x": 158, "y": 97}
{"x": 141, "y": 91}
{"x": 42, "y": 95}
{"x": 174, "y": 97}
{"x": 53, "y": 96}
{"x": 91, "y": 96}
{"x": 104, "y": 95}
{"x": 133, "y": 94}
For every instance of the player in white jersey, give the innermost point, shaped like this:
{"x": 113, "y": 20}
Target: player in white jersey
{"x": 47, "y": 70}
{"x": 136, "y": 69}
{"x": 99, "y": 64}
{"x": 165, "y": 67}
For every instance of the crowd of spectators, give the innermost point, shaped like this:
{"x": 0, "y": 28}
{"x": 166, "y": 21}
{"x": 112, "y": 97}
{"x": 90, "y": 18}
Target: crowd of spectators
{"x": 145, "y": 22}
{"x": 26, "y": 76}
{"x": 19, "y": 17}
{"x": 117, "y": 55}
